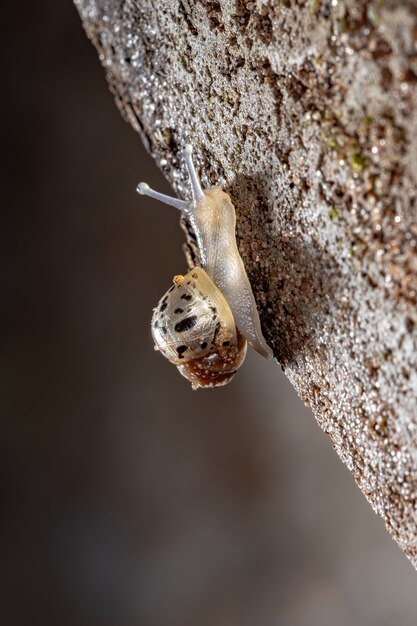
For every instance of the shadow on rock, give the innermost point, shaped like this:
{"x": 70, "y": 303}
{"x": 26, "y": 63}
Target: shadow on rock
{"x": 296, "y": 280}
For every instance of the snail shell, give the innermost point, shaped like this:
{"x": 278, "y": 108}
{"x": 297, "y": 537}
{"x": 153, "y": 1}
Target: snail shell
{"x": 194, "y": 328}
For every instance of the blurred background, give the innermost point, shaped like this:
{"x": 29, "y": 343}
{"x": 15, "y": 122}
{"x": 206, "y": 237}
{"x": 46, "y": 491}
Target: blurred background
{"x": 128, "y": 499}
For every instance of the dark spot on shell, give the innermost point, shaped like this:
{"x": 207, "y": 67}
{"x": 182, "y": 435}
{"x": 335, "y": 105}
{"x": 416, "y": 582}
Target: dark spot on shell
{"x": 186, "y": 296}
{"x": 213, "y": 309}
{"x": 163, "y": 330}
{"x": 171, "y": 288}
{"x": 186, "y": 324}
{"x": 216, "y": 331}
{"x": 181, "y": 350}
{"x": 177, "y": 311}
{"x": 226, "y": 343}
{"x": 203, "y": 345}
{"x": 163, "y": 307}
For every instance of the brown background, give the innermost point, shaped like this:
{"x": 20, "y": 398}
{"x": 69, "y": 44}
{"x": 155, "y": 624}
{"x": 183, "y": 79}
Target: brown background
{"x": 127, "y": 498}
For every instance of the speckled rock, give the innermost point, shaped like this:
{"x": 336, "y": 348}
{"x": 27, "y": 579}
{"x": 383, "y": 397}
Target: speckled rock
{"x": 308, "y": 111}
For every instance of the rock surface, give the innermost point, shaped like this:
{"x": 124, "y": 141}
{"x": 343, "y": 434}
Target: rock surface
{"x": 308, "y": 111}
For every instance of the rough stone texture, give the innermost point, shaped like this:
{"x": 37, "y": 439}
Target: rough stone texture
{"x": 308, "y": 110}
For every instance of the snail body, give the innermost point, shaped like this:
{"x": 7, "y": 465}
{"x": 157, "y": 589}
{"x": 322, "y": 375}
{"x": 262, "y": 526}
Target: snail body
{"x": 203, "y": 321}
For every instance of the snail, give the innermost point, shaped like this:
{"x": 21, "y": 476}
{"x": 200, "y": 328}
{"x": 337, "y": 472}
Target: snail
{"x": 204, "y": 321}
